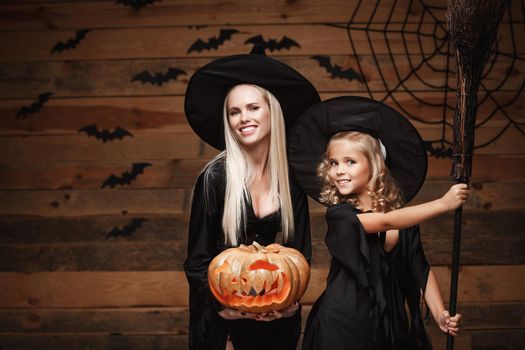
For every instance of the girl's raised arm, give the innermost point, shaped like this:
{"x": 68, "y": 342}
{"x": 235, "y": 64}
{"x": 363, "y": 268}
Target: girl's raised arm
{"x": 409, "y": 216}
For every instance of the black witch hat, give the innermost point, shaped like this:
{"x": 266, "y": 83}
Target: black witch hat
{"x": 208, "y": 87}
{"x": 406, "y": 157}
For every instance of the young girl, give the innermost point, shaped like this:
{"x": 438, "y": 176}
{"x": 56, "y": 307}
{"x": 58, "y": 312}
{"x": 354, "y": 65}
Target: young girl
{"x": 244, "y": 194}
{"x": 377, "y": 259}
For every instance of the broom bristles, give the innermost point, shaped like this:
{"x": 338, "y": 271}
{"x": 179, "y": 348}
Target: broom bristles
{"x": 473, "y": 26}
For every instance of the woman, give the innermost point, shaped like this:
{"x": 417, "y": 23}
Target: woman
{"x": 244, "y": 194}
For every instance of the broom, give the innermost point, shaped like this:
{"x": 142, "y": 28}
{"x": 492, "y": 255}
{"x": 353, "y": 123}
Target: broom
{"x": 472, "y": 27}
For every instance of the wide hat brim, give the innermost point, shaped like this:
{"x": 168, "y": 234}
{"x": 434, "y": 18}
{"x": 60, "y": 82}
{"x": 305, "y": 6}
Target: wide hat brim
{"x": 406, "y": 157}
{"x": 208, "y": 87}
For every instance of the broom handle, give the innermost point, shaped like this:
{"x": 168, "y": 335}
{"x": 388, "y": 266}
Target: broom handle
{"x": 458, "y": 214}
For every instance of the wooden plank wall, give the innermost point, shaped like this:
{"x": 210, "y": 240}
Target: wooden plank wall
{"x": 97, "y": 263}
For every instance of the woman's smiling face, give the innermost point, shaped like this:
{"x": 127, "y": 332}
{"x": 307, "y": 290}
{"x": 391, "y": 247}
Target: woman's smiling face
{"x": 248, "y": 115}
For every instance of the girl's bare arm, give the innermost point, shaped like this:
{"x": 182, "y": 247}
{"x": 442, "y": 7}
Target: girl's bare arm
{"x": 409, "y": 216}
{"x": 448, "y": 324}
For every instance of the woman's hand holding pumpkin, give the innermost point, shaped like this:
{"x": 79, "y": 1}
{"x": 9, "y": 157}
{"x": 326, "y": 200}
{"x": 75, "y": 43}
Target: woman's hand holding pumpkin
{"x": 274, "y": 315}
{"x": 232, "y": 314}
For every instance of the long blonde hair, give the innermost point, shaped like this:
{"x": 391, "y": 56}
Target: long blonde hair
{"x": 384, "y": 193}
{"x": 239, "y": 174}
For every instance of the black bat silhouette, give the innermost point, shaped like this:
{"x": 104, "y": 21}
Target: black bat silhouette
{"x": 158, "y": 78}
{"x": 214, "y": 42}
{"x": 35, "y": 106}
{"x": 336, "y": 71}
{"x": 71, "y": 43}
{"x": 104, "y": 134}
{"x": 126, "y": 231}
{"x": 438, "y": 152}
{"x": 136, "y": 4}
{"x": 273, "y": 44}
{"x": 126, "y": 177}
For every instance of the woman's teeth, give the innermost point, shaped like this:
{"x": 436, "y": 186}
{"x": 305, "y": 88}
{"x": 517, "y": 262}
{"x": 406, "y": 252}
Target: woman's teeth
{"x": 248, "y": 128}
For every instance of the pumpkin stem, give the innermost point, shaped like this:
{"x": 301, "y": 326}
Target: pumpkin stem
{"x": 257, "y": 246}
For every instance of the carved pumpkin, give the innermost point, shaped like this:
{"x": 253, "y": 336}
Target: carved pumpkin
{"x": 258, "y": 279}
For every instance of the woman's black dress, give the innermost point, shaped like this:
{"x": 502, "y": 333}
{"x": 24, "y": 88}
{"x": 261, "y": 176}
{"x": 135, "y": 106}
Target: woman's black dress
{"x": 362, "y": 306}
{"x": 206, "y": 240}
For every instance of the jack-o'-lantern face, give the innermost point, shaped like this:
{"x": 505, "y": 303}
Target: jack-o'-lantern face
{"x": 258, "y": 279}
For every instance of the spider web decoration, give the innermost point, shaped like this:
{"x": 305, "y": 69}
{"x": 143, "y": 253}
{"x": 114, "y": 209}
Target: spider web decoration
{"x": 424, "y": 70}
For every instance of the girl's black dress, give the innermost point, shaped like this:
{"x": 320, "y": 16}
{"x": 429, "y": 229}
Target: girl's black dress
{"x": 206, "y": 239}
{"x": 362, "y": 306}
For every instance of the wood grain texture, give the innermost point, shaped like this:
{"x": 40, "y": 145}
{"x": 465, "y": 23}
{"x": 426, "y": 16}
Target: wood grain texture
{"x": 154, "y": 321}
{"x": 21, "y": 80}
{"x": 150, "y": 145}
{"x": 507, "y": 225}
{"x": 175, "y": 320}
{"x": 90, "y": 229}
{"x": 65, "y": 283}
{"x": 510, "y": 339}
{"x": 94, "y": 202}
{"x": 61, "y": 14}
{"x": 143, "y": 146}
{"x": 489, "y": 196}
{"x": 158, "y": 42}
{"x": 479, "y": 284}
{"x": 486, "y": 284}
{"x": 42, "y": 15}
{"x": 94, "y": 289}
{"x": 183, "y": 173}
{"x": 159, "y": 244}
{"x": 110, "y": 256}
{"x": 63, "y": 116}
{"x": 106, "y": 341}
{"x": 92, "y": 175}
{"x": 60, "y": 116}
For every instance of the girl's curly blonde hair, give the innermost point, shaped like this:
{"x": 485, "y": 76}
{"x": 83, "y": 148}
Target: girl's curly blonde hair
{"x": 385, "y": 195}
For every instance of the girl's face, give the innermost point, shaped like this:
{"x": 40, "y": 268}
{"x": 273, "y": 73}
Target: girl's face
{"x": 248, "y": 115}
{"x": 349, "y": 169}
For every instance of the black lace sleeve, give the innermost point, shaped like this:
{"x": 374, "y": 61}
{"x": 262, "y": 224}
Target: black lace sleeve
{"x": 207, "y": 328}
